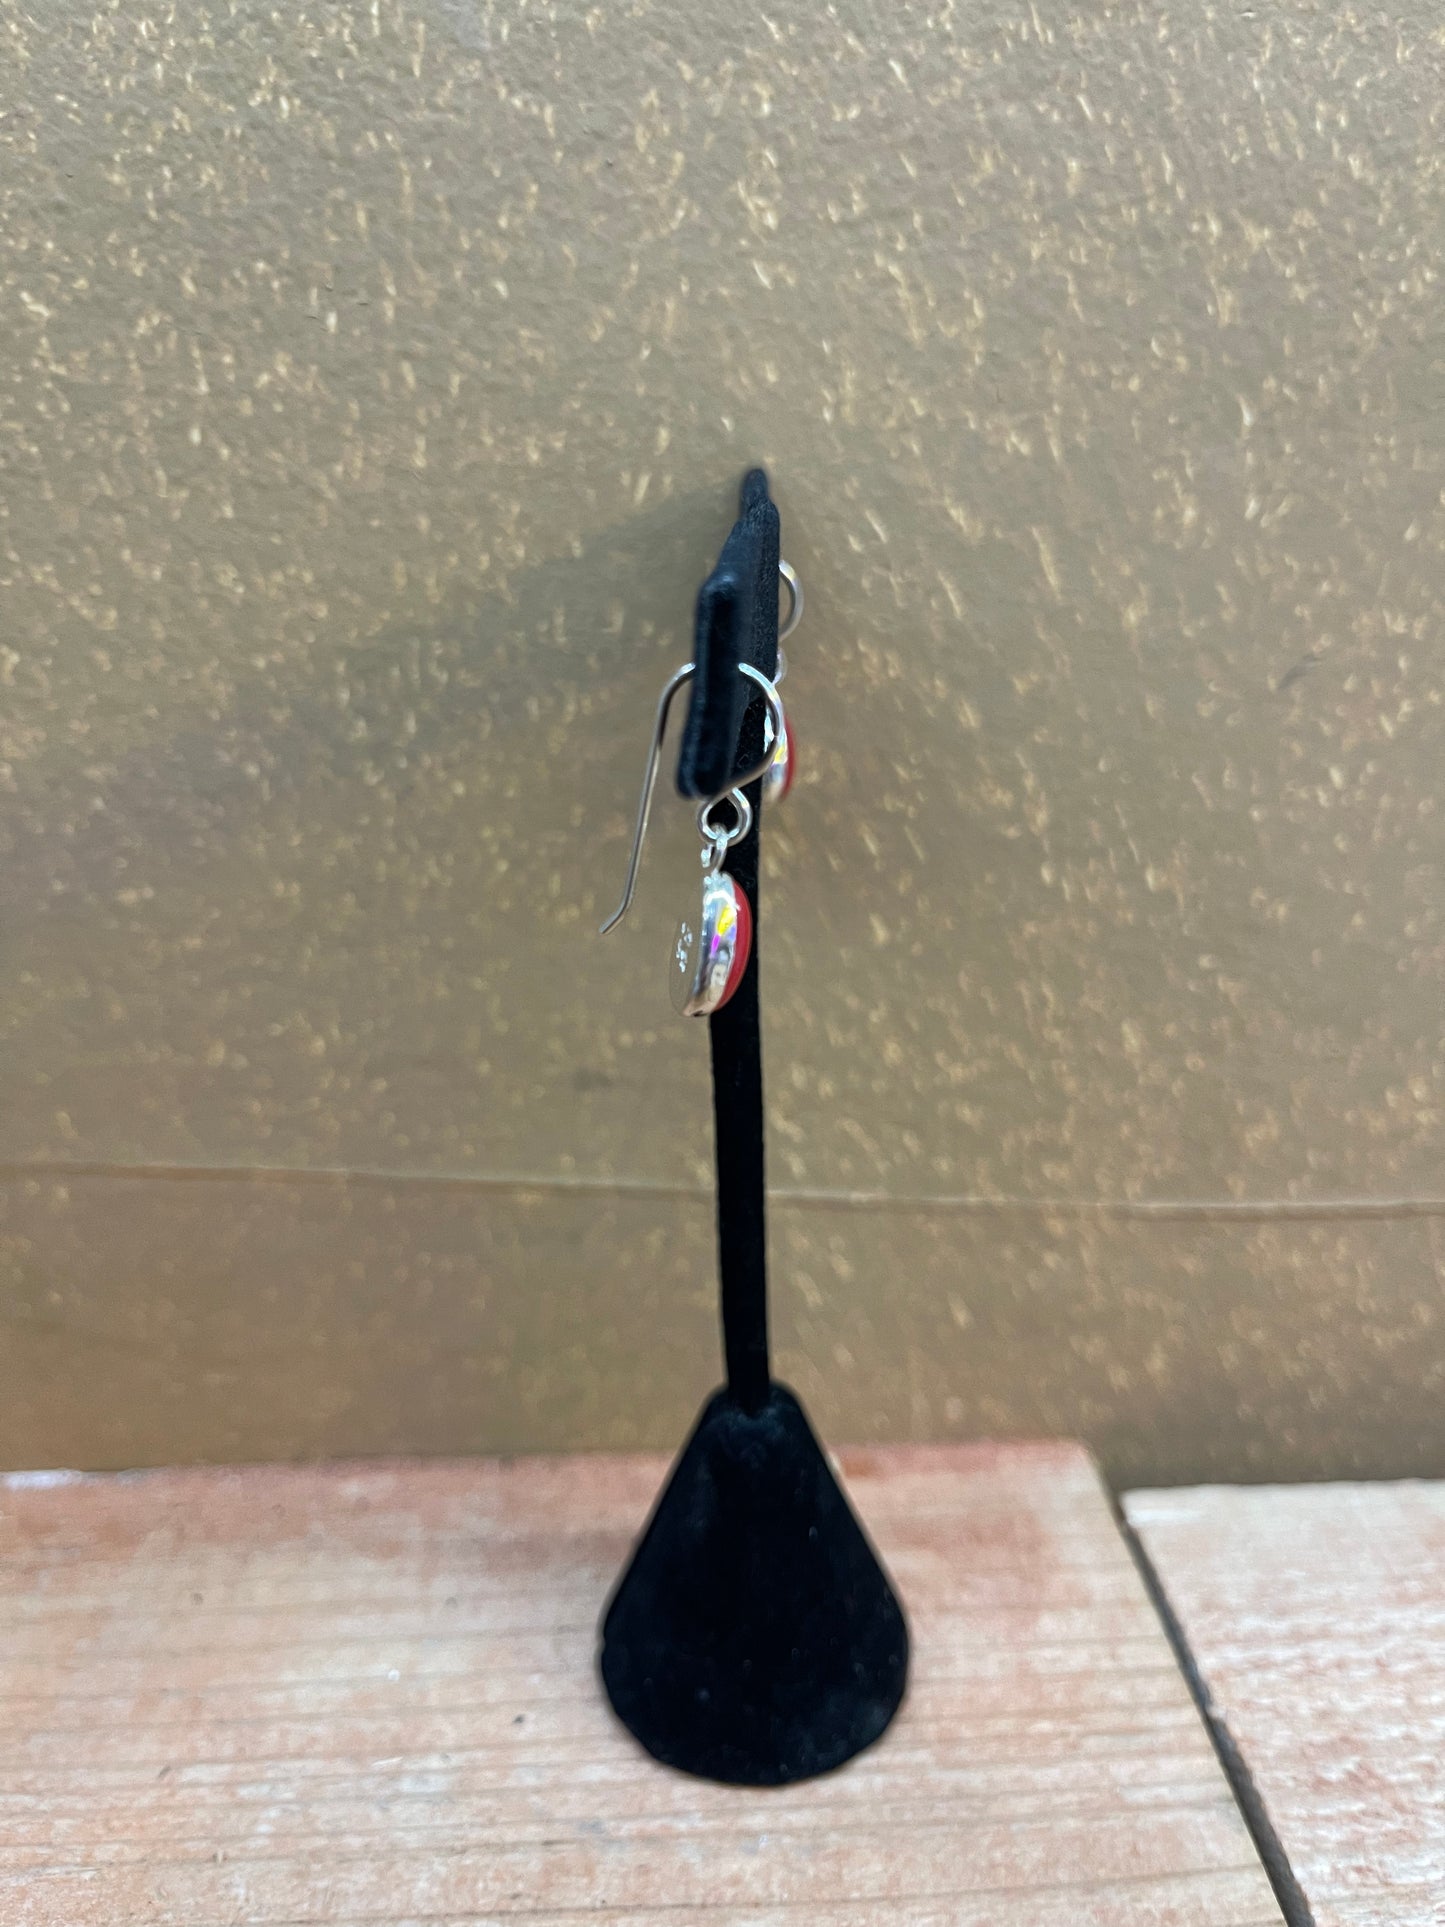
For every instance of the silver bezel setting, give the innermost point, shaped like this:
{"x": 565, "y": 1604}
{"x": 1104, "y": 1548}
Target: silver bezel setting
{"x": 703, "y": 952}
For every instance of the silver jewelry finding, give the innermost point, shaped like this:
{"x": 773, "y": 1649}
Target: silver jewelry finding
{"x": 654, "y": 759}
{"x": 718, "y": 838}
{"x": 795, "y": 607}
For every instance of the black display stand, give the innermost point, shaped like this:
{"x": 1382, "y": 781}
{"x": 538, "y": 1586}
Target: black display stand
{"x": 754, "y": 1637}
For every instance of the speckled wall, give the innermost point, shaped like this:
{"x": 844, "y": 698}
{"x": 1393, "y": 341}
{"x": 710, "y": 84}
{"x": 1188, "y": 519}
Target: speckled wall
{"x": 374, "y": 385}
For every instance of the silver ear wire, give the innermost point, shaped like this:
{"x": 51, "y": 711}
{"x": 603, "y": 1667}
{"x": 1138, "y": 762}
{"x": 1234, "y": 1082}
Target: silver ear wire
{"x": 649, "y": 784}
{"x": 654, "y": 760}
{"x": 795, "y": 614}
{"x": 795, "y": 607}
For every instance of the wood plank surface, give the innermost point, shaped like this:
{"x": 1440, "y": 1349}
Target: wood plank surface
{"x": 366, "y": 1693}
{"x": 1316, "y": 1617}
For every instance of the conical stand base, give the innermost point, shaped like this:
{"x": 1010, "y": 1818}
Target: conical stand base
{"x": 754, "y": 1638}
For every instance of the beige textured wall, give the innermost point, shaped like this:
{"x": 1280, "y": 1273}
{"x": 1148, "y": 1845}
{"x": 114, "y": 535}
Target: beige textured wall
{"x": 374, "y": 384}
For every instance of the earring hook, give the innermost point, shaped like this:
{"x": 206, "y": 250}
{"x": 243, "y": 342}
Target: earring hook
{"x": 654, "y": 759}
{"x": 795, "y": 607}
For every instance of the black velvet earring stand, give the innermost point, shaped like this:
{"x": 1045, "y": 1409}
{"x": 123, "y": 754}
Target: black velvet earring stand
{"x": 754, "y": 1637}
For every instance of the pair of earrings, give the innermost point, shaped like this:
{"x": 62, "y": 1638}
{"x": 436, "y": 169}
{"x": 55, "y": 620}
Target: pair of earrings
{"x": 710, "y": 955}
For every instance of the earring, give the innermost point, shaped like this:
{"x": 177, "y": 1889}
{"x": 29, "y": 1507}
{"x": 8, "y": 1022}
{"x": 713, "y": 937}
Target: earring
{"x": 708, "y": 962}
{"x": 710, "y": 953}
{"x": 783, "y": 766}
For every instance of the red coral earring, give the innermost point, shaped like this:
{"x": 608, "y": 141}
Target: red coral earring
{"x": 710, "y": 953}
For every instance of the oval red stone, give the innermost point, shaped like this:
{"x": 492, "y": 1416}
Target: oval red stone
{"x": 790, "y": 764}
{"x": 742, "y": 948}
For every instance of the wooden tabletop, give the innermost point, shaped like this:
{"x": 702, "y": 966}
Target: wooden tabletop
{"x": 1315, "y": 1615}
{"x": 366, "y": 1694}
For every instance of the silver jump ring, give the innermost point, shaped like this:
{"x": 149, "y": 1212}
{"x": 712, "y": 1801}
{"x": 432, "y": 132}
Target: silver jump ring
{"x": 720, "y": 837}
